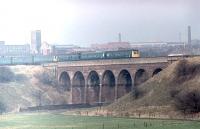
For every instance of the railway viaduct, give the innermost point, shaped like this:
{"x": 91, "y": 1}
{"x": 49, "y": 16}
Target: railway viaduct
{"x": 104, "y": 81}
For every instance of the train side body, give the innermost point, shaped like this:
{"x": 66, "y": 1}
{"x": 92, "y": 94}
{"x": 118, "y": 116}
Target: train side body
{"x": 5, "y": 60}
{"x": 69, "y": 57}
{"x": 92, "y": 56}
{"x": 122, "y": 54}
{"x": 39, "y": 59}
{"x": 22, "y": 60}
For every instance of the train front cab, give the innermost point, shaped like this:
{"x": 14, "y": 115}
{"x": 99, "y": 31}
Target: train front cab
{"x": 55, "y": 59}
{"x": 135, "y": 54}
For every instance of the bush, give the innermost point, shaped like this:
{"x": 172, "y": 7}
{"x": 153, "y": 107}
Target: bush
{"x": 188, "y": 101}
{"x": 174, "y": 92}
{"x": 6, "y": 75}
{"x": 137, "y": 92}
{"x": 20, "y": 77}
{"x": 46, "y": 78}
{"x": 185, "y": 71}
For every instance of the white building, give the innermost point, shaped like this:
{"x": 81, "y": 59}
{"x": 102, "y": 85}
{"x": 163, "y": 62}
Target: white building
{"x": 46, "y": 49}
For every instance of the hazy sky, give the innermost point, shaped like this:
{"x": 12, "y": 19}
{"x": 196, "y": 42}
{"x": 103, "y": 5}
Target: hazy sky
{"x": 83, "y": 22}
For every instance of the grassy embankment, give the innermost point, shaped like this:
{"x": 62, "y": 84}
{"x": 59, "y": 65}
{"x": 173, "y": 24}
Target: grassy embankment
{"x": 158, "y": 95}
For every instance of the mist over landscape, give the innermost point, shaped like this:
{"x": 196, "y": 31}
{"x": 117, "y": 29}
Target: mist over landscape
{"x": 83, "y": 23}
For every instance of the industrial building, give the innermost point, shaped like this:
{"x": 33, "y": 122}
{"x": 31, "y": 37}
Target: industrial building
{"x": 14, "y": 50}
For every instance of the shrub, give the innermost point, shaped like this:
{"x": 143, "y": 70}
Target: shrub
{"x": 174, "y": 92}
{"x": 46, "y": 78}
{"x": 127, "y": 114}
{"x": 188, "y": 101}
{"x": 137, "y": 92}
{"x": 20, "y": 77}
{"x": 6, "y": 75}
{"x": 185, "y": 71}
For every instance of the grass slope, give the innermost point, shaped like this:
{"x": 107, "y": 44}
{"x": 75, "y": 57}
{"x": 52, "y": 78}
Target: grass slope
{"x": 157, "y": 94}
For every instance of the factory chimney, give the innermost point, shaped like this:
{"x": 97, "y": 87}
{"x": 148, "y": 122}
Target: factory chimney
{"x": 189, "y": 35}
{"x": 120, "y": 38}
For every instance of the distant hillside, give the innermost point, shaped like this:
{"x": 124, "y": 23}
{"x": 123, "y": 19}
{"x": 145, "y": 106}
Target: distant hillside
{"x": 158, "y": 93}
{"x": 21, "y": 87}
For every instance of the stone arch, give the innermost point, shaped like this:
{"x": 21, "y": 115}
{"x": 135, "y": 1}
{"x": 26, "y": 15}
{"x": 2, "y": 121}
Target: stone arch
{"x": 140, "y": 76}
{"x": 64, "y": 81}
{"x": 78, "y": 88}
{"x": 124, "y": 83}
{"x": 156, "y": 71}
{"x": 108, "y": 87}
{"x": 93, "y": 87}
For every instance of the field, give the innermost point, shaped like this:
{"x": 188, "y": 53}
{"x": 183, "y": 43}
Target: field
{"x": 60, "y": 121}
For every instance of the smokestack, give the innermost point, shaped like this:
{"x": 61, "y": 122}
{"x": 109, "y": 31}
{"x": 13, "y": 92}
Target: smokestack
{"x": 189, "y": 35}
{"x": 120, "y": 38}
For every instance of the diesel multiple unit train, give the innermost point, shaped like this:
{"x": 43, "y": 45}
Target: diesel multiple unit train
{"x": 39, "y": 59}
